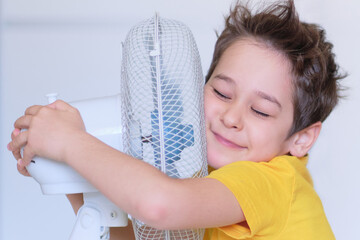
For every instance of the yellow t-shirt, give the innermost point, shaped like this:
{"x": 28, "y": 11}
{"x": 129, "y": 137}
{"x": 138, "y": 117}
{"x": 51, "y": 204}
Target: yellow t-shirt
{"x": 278, "y": 201}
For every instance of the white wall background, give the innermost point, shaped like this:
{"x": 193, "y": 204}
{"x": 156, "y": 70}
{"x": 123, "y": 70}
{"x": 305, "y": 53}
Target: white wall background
{"x": 73, "y": 47}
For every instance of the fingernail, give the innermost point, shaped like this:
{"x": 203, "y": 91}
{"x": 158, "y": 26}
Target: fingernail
{"x": 16, "y": 131}
{"x": 20, "y": 162}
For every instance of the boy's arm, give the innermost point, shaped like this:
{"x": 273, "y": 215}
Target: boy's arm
{"x": 122, "y": 233}
{"x": 149, "y": 195}
{"x": 57, "y": 132}
{"x": 76, "y": 201}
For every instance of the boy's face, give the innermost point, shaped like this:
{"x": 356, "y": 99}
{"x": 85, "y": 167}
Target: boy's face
{"x": 248, "y": 105}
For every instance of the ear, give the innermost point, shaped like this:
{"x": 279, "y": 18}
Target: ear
{"x": 303, "y": 140}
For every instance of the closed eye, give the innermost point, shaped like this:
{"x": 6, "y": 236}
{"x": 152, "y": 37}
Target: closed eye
{"x": 219, "y": 94}
{"x": 261, "y": 114}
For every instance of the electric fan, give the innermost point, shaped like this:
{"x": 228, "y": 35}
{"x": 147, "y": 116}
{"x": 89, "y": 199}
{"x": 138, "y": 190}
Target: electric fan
{"x": 157, "y": 117}
{"x": 162, "y": 104}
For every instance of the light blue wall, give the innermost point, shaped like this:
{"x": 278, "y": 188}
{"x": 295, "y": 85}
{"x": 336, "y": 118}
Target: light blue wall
{"x": 74, "y": 48}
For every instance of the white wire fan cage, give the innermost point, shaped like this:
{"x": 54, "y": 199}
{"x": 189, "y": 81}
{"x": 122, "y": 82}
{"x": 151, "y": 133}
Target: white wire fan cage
{"x": 162, "y": 97}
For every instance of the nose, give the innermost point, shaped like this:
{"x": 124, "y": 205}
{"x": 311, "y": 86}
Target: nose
{"x": 232, "y": 117}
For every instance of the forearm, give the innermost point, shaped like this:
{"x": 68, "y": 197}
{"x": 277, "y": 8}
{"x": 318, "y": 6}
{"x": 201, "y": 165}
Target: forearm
{"x": 126, "y": 181}
{"x": 148, "y": 194}
{"x": 76, "y": 201}
{"x": 122, "y": 233}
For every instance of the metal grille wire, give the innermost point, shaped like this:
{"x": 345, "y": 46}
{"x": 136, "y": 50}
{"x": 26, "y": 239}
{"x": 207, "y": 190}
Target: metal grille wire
{"x": 162, "y": 97}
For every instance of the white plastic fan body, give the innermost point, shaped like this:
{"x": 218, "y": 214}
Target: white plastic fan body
{"x": 102, "y": 119}
{"x": 162, "y": 97}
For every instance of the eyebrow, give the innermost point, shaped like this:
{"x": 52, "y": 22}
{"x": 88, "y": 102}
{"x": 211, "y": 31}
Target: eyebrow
{"x": 269, "y": 98}
{"x": 259, "y": 93}
{"x": 224, "y": 77}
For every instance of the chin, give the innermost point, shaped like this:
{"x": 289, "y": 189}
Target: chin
{"x": 213, "y": 161}
{"x": 216, "y": 162}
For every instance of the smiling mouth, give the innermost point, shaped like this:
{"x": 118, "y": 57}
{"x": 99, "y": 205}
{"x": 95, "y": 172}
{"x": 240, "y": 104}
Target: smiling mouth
{"x": 226, "y": 142}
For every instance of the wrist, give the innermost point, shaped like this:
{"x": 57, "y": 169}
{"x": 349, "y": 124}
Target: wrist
{"x": 75, "y": 142}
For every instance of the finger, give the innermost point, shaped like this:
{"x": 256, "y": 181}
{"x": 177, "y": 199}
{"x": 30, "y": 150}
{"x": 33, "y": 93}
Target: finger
{"x": 61, "y": 105}
{"x": 22, "y": 122}
{"x": 17, "y": 143}
{"x": 33, "y": 110}
{"x": 28, "y": 155}
{"x": 15, "y": 132}
{"x": 21, "y": 168}
{"x": 16, "y": 154}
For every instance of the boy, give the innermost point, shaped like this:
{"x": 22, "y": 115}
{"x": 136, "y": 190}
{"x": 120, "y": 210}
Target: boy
{"x": 271, "y": 84}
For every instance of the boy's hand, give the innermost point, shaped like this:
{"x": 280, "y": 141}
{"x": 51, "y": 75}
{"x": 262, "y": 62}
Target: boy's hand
{"x": 50, "y": 130}
{"x": 17, "y": 154}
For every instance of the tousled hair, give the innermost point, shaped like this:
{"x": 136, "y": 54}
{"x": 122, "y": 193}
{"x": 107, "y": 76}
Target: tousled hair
{"x": 316, "y": 88}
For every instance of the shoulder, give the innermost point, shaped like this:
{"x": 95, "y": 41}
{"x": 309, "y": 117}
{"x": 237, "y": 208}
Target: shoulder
{"x": 281, "y": 166}
{"x": 262, "y": 177}
{"x": 283, "y": 173}
{"x": 260, "y": 185}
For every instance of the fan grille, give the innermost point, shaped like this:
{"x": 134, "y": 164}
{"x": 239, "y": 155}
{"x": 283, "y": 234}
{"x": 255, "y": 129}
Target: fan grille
{"x": 162, "y": 91}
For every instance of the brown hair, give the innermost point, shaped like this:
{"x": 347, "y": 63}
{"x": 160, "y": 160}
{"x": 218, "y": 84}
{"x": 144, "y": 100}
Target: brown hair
{"x": 315, "y": 73}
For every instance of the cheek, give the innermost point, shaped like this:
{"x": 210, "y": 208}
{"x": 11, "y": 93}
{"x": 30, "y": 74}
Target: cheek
{"x": 267, "y": 141}
{"x": 208, "y": 112}
{"x": 262, "y": 135}
{"x": 257, "y": 135}
{"x": 208, "y": 105}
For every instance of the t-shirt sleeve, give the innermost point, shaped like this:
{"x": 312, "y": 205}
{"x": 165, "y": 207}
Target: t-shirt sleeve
{"x": 264, "y": 192}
